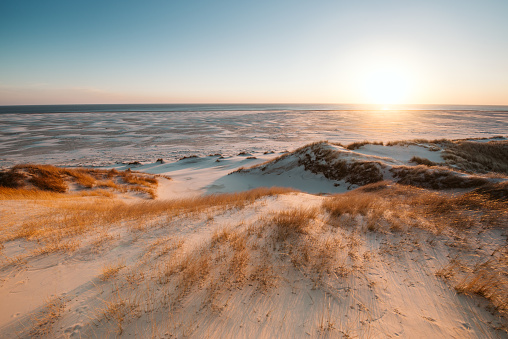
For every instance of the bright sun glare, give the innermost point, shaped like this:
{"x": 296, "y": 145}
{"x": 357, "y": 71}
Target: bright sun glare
{"x": 386, "y": 86}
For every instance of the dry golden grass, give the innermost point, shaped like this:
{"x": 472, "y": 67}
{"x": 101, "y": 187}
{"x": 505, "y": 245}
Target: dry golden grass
{"x": 35, "y": 194}
{"x": 395, "y": 206}
{"x": 479, "y": 157}
{"x": 82, "y": 176}
{"x": 391, "y": 207}
{"x": 12, "y": 178}
{"x": 322, "y": 159}
{"x": 61, "y": 246}
{"x": 110, "y": 270}
{"x": 116, "y": 310}
{"x": 439, "y": 142}
{"x": 422, "y": 161}
{"x": 352, "y": 203}
{"x": 256, "y": 257}
{"x": 291, "y": 222}
{"x": 358, "y": 144}
{"x": 498, "y": 191}
{"x": 28, "y": 194}
{"x": 435, "y": 177}
{"x": 227, "y": 200}
{"x": 327, "y": 161}
{"x": 42, "y": 324}
{"x": 131, "y": 178}
{"x": 232, "y": 259}
{"x": 264, "y": 273}
{"x": 490, "y": 280}
{"x": 102, "y": 238}
{"x": 62, "y": 228}
{"x": 468, "y": 155}
{"x": 283, "y": 156}
{"x": 49, "y": 178}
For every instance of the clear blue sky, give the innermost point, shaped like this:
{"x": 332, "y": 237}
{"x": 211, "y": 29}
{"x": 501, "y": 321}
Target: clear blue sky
{"x": 254, "y": 51}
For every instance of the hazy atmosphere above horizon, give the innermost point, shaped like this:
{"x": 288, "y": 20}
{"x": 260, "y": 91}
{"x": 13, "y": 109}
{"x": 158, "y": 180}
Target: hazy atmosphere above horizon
{"x": 368, "y": 52}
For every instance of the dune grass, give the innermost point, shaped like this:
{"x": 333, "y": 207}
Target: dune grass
{"x": 43, "y": 322}
{"x": 48, "y": 178}
{"x": 69, "y": 218}
{"x": 387, "y": 202}
{"x": 110, "y": 270}
{"x": 470, "y": 155}
{"x": 479, "y": 157}
{"x": 422, "y": 161}
{"x": 387, "y": 207}
{"x": 359, "y": 144}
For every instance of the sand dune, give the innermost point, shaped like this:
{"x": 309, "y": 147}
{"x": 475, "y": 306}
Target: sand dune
{"x": 407, "y": 240}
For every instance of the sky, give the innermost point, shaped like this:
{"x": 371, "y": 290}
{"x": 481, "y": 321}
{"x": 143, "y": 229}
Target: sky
{"x": 274, "y": 51}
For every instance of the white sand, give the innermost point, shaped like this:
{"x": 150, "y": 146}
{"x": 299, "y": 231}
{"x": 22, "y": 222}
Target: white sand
{"x": 392, "y": 292}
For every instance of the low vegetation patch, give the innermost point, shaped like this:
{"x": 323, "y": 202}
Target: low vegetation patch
{"x": 320, "y": 158}
{"x": 479, "y": 157}
{"x": 69, "y": 220}
{"x": 292, "y": 222}
{"x": 47, "y": 317}
{"x": 358, "y": 144}
{"x": 422, "y": 161}
{"x": 474, "y": 156}
{"x": 110, "y": 270}
{"x": 49, "y": 178}
{"x": 490, "y": 280}
{"x": 386, "y": 204}
{"x": 435, "y": 142}
{"x": 435, "y": 178}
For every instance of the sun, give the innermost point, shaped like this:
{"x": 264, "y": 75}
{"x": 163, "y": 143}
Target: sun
{"x": 386, "y": 86}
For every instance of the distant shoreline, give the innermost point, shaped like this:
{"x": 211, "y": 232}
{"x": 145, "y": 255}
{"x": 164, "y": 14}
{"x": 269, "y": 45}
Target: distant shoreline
{"x": 149, "y": 108}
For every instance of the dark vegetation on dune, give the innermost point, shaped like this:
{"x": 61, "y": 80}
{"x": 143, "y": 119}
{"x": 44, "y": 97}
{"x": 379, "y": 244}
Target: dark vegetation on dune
{"x": 474, "y": 156}
{"x": 318, "y": 158}
{"x": 435, "y": 178}
{"x": 326, "y": 161}
{"x": 497, "y": 191}
{"x": 355, "y": 172}
{"x": 57, "y": 179}
{"x": 465, "y": 163}
{"x": 481, "y": 157}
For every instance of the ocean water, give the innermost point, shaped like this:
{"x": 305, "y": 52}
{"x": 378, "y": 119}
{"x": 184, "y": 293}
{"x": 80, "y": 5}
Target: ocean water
{"x": 105, "y": 134}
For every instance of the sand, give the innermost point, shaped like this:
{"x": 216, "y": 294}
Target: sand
{"x": 218, "y": 272}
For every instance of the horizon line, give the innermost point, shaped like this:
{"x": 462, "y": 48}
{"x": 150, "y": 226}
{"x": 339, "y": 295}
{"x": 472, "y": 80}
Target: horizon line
{"x": 249, "y": 103}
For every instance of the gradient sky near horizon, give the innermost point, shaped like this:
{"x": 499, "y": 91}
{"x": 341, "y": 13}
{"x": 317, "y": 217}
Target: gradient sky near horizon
{"x": 370, "y": 51}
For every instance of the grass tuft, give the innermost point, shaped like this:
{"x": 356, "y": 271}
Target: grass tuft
{"x": 110, "y": 270}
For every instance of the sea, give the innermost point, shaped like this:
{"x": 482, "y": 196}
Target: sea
{"x": 99, "y": 135}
